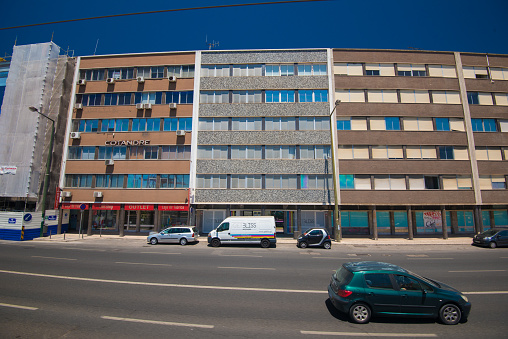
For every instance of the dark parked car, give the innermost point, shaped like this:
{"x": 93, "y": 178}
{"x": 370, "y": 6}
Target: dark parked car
{"x": 492, "y": 238}
{"x": 315, "y": 237}
{"x": 363, "y": 289}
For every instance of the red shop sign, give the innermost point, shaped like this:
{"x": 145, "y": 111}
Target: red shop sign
{"x": 106, "y": 207}
{"x": 69, "y": 206}
{"x": 174, "y": 207}
{"x": 139, "y": 207}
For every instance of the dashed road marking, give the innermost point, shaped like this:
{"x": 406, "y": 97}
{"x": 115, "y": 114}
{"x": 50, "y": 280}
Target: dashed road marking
{"x": 19, "y": 306}
{"x": 372, "y": 334}
{"x": 156, "y": 322}
{"x": 39, "y": 256}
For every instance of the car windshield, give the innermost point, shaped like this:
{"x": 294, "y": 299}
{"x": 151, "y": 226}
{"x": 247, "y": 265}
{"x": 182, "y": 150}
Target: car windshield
{"x": 489, "y": 233}
{"x": 427, "y": 280}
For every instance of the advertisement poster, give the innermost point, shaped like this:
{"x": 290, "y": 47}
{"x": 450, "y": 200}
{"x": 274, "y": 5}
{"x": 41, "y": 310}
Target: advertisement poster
{"x": 432, "y": 219}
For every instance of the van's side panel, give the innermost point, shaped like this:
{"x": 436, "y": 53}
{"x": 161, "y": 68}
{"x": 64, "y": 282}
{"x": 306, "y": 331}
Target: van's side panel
{"x": 248, "y": 230}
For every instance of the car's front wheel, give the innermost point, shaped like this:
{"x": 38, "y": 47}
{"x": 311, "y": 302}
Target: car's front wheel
{"x": 154, "y": 241}
{"x": 360, "y": 313}
{"x": 492, "y": 244}
{"x": 450, "y": 314}
{"x": 215, "y": 242}
{"x": 303, "y": 244}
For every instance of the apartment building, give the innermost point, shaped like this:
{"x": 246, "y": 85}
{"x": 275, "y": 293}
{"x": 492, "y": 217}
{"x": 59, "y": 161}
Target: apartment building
{"x": 161, "y": 139}
{"x": 127, "y": 160}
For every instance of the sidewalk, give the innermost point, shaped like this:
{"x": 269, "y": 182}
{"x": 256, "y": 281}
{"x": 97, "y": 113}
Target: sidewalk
{"x": 72, "y": 237}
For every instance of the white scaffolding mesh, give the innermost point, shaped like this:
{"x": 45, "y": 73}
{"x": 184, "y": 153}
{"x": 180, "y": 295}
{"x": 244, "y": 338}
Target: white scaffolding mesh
{"x": 22, "y": 132}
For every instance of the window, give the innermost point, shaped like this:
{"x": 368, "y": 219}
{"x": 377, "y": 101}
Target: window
{"x": 280, "y": 70}
{"x": 245, "y": 152}
{"x": 350, "y": 95}
{"x": 456, "y": 182}
{"x": 280, "y": 152}
{"x": 347, "y": 69}
{"x": 242, "y": 97}
{"x": 213, "y": 152}
{"x": 346, "y": 181}
{"x": 382, "y": 95}
{"x": 280, "y": 124}
{"x": 501, "y": 99}
{"x": 312, "y": 69}
{"x": 249, "y": 181}
{"x": 121, "y": 73}
{"x": 175, "y": 97}
{"x": 79, "y": 180}
{"x": 281, "y": 181}
{"x": 110, "y": 152}
{"x": 353, "y": 152}
{"x": 389, "y": 182}
{"x": 484, "y": 125}
{"x": 498, "y": 73}
{"x": 148, "y": 98}
{"x": 211, "y": 181}
{"x": 431, "y": 182}
{"x": 143, "y": 72}
{"x": 110, "y": 99}
{"x": 414, "y": 97}
{"x": 176, "y": 152}
{"x": 92, "y": 74}
{"x": 409, "y": 70}
{"x": 362, "y": 182}
{"x": 157, "y": 72}
{"x": 176, "y": 124}
{"x": 418, "y": 182}
{"x": 442, "y": 124}
{"x": 475, "y": 72}
{"x": 81, "y": 153}
{"x": 385, "y": 124}
{"x": 213, "y": 124}
{"x": 418, "y": 124}
{"x": 488, "y": 153}
{"x": 445, "y": 152}
{"x": 215, "y": 70}
{"x": 387, "y": 152}
{"x": 184, "y": 71}
{"x": 379, "y": 69}
{"x": 247, "y": 70}
{"x": 90, "y": 125}
{"x": 246, "y": 124}
{"x": 372, "y": 72}
{"x": 421, "y": 152}
{"x": 492, "y": 182}
{"x": 124, "y": 98}
{"x": 378, "y": 280}
{"x": 445, "y": 97}
{"x": 153, "y": 125}
{"x": 343, "y": 124}
{"x": 151, "y": 152}
{"x": 280, "y": 96}
{"x": 315, "y": 152}
{"x": 314, "y": 123}
{"x": 214, "y": 97}
{"x": 91, "y": 99}
{"x": 444, "y": 71}
{"x": 476, "y": 98}
{"x": 138, "y": 125}
{"x": 313, "y": 95}
{"x": 141, "y": 180}
{"x": 316, "y": 181}
{"x": 109, "y": 180}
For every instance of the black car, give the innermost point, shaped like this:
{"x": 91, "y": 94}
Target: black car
{"x": 315, "y": 237}
{"x": 492, "y": 238}
{"x": 363, "y": 289}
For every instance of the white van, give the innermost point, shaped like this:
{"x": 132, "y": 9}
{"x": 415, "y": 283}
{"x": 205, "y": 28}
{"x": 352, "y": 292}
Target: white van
{"x": 244, "y": 230}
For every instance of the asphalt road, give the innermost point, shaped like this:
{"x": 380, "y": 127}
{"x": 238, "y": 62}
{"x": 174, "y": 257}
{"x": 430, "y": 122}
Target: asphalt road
{"x": 132, "y": 290}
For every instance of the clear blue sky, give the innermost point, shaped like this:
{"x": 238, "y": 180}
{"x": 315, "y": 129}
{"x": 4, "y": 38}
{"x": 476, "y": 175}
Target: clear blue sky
{"x": 449, "y": 25}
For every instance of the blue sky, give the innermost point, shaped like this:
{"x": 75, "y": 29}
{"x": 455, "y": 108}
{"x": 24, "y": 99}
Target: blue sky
{"x": 449, "y": 25}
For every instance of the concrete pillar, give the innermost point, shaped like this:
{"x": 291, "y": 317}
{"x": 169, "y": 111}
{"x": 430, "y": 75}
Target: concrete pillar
{"x": 156, "y": 220}
{"x": 90, "y": 220}
{"x": 121, "y": 222}
{"x": 138, "y": 221}
{"x": 410, "y": 223}
{"x": 443, "y": 218}
{"x": 298, "y": 230}
{"x": 478, "y": 219}
{"x": 59, "y": 227}
{"x": 374, "y": 224}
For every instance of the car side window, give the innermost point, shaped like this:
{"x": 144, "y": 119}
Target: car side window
{"x": 224, "y": 227}
{"x": 378, "y": 280}
{"x": 503, "y": 234}
{"x": 315, "y": 232}
{"x": 407, "y": 283}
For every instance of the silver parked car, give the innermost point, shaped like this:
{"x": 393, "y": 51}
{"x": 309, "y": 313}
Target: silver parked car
{"x": 178, "y": 235}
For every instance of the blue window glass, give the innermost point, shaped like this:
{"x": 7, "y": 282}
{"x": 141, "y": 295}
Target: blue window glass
{"x": 187, "y": 97}
{"x": 305, "y": 96}
{"x": 149, "y": 180}
{"x": 400, "y": 222}
{"x": 185, "y": 124}
{"x": 153, "y": 125}
{"x": 134, "y": 180}
{"x": 122, "y": 125}
{"x": 489, "y": 125}
{"x": 486, "y": 220}
{"x": 88, "y": 125}
{"x": 110, "y": 99}
{"x": 446, "y": 152}
{"x": 172, "y": 97}
{"x": 108, "y": 125}
{"x": 138, "y": 125}
{"x": 344, "y": 124}
{"x": 347, "y": 181}
{"x": 271, "y": 96}
{"x": 442, "y": 124}
{"x": 472, "y": 98}
{"x": 321, "y": 96}
{"x": 501, "y": 218}
{"x": 392, "y": 123}
{"x": 170, "y": 124}
{"x": 138, "y": 97}
{"x": 477, "y": 125}
{"x": 158, "y": 98}
{"x": 119, "y": 152}
{"x": 124, "y": 98}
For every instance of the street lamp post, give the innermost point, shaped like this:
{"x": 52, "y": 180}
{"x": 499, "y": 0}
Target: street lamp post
{"x": 337, "y": 229}
{"x": 48, "y": 167}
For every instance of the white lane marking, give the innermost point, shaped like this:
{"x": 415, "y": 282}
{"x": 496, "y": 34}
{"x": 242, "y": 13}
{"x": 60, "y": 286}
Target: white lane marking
{"x": 430, "y": 258}
{"x": 20, "y": 307}
{"x": 157, "y": 253}
{"x": 486, "y": 292}
{"x": 250, "y": 268}
{"x": 371, "y": 334}
{"x": 240, "y": 255}
{"x": 476, "y": 271}
{"x": 167, "y": 323}
{"x": 140, "y": 283}
{"x": 39, "y": 256}
{"x": 140, "y": 263}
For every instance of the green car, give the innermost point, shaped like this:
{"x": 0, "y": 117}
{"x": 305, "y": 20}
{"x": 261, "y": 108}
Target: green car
{"x": 367, "y": 288}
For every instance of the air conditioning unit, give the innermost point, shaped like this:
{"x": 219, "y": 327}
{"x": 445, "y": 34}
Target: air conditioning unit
{"x": 110, "y": 80}
{"x": 109, "y": 162}
{"x": 97, "y": 194}
{"x": 139, "y": 106}
{"x": 147, "y": 106}
{"x": 180, "y": 133}
{"x": 66, "y": 194}
{"x": 172, "y": 105}
{"x": 75, "y": 135}
{"x": 172, "y": 78}
{"x": 81, "y": 82}
{"x": 78, "y": 106}
{"x": 141, "y": 79}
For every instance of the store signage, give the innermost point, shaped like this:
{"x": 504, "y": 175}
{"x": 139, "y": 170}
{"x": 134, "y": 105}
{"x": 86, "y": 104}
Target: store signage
{"x": 12, "y": 220}
{"x": 8, "y": 169}
{"x": 106, "y": 207}
{"x": 69, "y": 206}
{"x": 432, "y": 219}
{"x": 139, "y": 207}
{"x": 127, "y": 142}
{"x": 173, "y": 207}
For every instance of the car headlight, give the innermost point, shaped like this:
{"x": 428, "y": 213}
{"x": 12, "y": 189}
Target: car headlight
{"x": 464, "y": 297}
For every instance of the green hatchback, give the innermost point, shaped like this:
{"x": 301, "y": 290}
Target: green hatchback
{"x": 363, "y": 289}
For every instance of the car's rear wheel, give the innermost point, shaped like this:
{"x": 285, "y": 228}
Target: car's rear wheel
{"x": 303, "y": 244}
{"x": 215, "y": 242}
{"x": 450, "y": 314}
{"x": 265, "y": 243}
{"x": 327, "y": 245}
{"x": 492, "y": 244}
{"x": 360, "y": 313}
{"x": 183, "y": 241}
{"x": 154, "y": 241}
